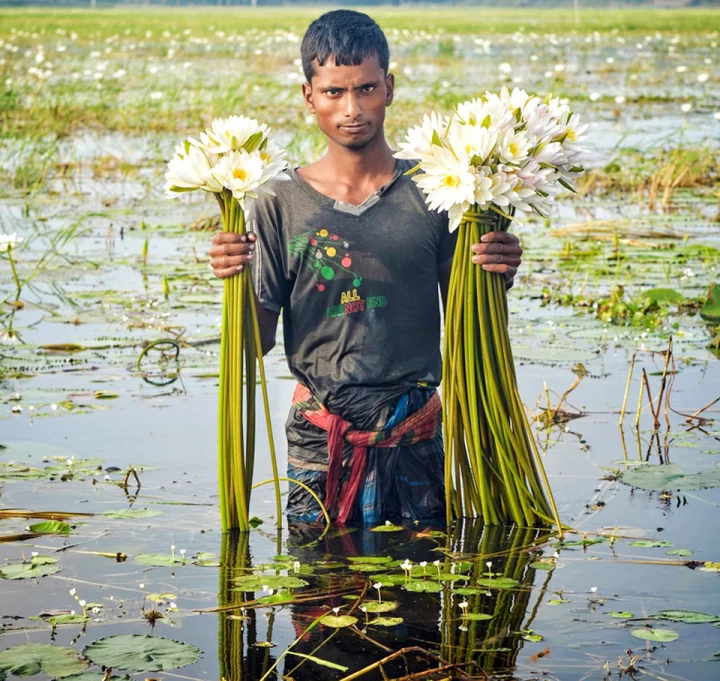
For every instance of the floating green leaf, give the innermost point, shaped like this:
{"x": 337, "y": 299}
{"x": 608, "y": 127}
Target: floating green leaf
{"x": 424, "y": 587}
{"x": 664, "y": 295}
{"x": 670, "y": 476}
{"x": 28, "y": 570}
{"x": 359, "y": 567}
{"x": 157, "y": 559}
{"x": 386, "y": 621}
{"x": 370, "y": 560}
{"x": 257, "y": 582}
{"x": 478, "y": 616}
{"x": 132, "y": 513}
{"x": 51, "y": 527}
{"x": 141, "y": 653}
{"x": 622, "y": 615}
{"x": 687, "y": 616}
{"x": 338, "y": 621}
{"x": 497, "y": 582}
{"x": 651, "y": 543}
{"x": 711, "y": 567}
{"x": 376, "y": 606}
{"x": 558, "y": 601}
{"x": 159, "y": 598}
{"x": 32, "y": 658}
{"x": 529, "y": 636}
{"x": 656, "y": 635}
{"x": 387, "y": 527}
{"x": 542, "y": 565}
{"x": 710, "y": 311}
{"x": 679, "y": 552}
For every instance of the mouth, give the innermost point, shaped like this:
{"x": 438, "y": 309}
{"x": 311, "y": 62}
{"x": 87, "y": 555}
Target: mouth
{"x": 354, "y": 127}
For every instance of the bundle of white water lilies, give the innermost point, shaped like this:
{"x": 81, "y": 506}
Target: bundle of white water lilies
{"x": 234, "y": 159}
{"x": 494, "y": 159}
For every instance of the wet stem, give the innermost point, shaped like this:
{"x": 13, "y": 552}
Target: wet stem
{"x": 14, "y": 273}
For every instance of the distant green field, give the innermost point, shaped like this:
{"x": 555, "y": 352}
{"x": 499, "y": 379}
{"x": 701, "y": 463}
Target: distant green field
{"x": 452, "y": 19}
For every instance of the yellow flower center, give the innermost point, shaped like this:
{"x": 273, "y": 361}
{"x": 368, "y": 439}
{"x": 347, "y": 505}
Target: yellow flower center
{"x": 450, "y": 181}
{"x": 571, "y": 134}
{"x": 514, "y": 148}
{"x": 265, "y": 157}
{"x": 239, "y": 174}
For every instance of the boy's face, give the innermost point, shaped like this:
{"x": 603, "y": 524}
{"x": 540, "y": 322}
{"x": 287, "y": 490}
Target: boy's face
{"x": 350, "y": 101}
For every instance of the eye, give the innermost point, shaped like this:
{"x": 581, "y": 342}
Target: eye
{"x": 368, "y": 88}
{"x": 332, "y": 92}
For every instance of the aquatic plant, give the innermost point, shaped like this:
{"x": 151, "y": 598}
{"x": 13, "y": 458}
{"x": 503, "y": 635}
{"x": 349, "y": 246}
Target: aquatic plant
{"x": 234, "y": 160}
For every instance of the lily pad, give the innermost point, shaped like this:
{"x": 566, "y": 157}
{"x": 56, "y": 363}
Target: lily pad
{"x": 157, "y": 559}
{"x": 32, "y": 658}
{"x": 651, "y": 543}
{"x": 386, "y": 621}
{"x": 370, "y": 560}
{"x": 543, "y": 565}
{"x": 687, "y": 616}
{"x": 141, "y": 653}
{"x": 132, "y": 513}
{"x": 361, "y": 567}
{"x": 51, "y": 527}
{"x": 679, "y": 552}
{"x": 387, "y": 527}
{"x": 497, "y": 582}
{"x": 710, "y": 311}
{"x": 338, "y": 621}
{"x": 709, "y": 566}
{"x": 656, "y": 635}
{"x": 257, "y": 582}
{"x": 376, "y": 606}
{"x": 478, "y": 616}
{"x": 424, "y": 587}
{"x": 670, "y": 476}
{"x": 621, "y": 615}
{"x": 28, "y": 570}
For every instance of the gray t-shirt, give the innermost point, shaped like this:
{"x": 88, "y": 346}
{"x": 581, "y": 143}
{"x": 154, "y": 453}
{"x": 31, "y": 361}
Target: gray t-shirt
{"x": 358, "y": 289}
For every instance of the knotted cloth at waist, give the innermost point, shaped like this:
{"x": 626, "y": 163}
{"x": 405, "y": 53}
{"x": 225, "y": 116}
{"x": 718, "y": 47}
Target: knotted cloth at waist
{"x": 422, "y": 425}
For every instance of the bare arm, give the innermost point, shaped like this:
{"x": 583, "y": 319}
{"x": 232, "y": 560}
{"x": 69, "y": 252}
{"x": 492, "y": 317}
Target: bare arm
{"x": 229, "y": 255}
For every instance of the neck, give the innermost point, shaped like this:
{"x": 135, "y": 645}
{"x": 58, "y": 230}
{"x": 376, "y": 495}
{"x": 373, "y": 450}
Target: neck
{"x": 374, "y": 159}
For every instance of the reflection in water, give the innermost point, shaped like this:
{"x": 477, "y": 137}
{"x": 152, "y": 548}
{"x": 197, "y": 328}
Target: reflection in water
{"x": 475, "y": 611}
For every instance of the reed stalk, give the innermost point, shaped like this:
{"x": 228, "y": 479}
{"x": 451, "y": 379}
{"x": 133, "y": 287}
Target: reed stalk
{"x": 498, "y": 471}
{"x": 240, "y": 363}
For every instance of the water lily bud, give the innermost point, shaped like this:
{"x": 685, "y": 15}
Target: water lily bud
{"x": 336, "y": 610}
{"x": 142, "y": 586}
{"x": 82, "y": 603}
{"x": 593, "y": 589}
{"x": 72, "y": 591}
{"x": 34, "y": 554}
{"x": 463, "y": 605}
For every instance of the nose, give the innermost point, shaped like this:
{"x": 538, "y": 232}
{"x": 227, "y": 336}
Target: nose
{"x": 352, "y": 105}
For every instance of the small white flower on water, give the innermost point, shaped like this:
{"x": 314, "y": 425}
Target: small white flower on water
{"x": 559, "y": 68}
{"x": 182, "y": 552}
{"x": 686, "y": 107}
{"x": 156, "y": 95}
{"x": 31, "y": 408}
{"x": 82, "y": 603}
{"x": 387, "y": 522}
{"x": 34, "y": 554}
{"x": 378, "y": 585}
{"x": 436, "y": 563}
{"x": 620, "y": 99}
{"x": 363, "y": 608}
{"x": 556, "y": 555}
{"x": 173, "y": 606}
{"x": 69, "y": 462}
{"x": 8, "y": 241}
{"x": 142, "y": 586}
{"x": 423, "y": 563}
{"x": 296, "y": 566}
{"x": 336, "y": 610}
{"x": 107, "y": 477}
{"x": 566, "y": 429}
{"x": 594, "y": 96}
{"x": 702, "y": 77}
{"x": 505, "y": 68}
{"x": 72, "y": 591}
{"x": 95, "y": 611}
{"x": 593, "y": 589}
{"x": 271, "y": 592}
{"x": 266, "y": 587}
{"x": 464, "y": 604}
{"x": 53, "y": 407}
{"x": 681, "y": 69}
{"x": 72, "y": 612}
{"x": 489, "y": 564}
{"x": 172, "y": 547}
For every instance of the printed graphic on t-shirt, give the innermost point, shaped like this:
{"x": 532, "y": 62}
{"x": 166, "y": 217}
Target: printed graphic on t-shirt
{"x": 327, "y": 255}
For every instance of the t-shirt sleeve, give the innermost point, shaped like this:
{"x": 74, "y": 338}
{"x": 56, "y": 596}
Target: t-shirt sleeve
{"x": 269, "y": 273}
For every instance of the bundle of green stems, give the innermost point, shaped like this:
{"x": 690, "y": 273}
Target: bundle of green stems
{"x": 240, "y": 361}
{"x": 490, "y": 450}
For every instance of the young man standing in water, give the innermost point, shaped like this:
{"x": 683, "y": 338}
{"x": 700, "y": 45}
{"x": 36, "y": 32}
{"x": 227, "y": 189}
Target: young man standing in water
{"x": 348, "y": 251}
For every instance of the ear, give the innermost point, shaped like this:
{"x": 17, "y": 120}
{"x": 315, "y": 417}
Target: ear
{"x": 389, "y": 88}
{"x": 308, "y": 97}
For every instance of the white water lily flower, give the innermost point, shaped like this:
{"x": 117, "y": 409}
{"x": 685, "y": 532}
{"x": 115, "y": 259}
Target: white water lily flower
{"x": 447, "y": 180}
{"x": 8, "y": 241}
{"x": 420, "y": 138}
{"x": 513, "y": 147}
{"x": 241, "y": 173}
{"x": 232, "y": 134}
{"x": 189, "y": 169}
{"x": 474, "y": 143}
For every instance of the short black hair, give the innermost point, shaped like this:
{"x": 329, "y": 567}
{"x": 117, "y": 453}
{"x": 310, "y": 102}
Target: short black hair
{"x": 348, "y": 36}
